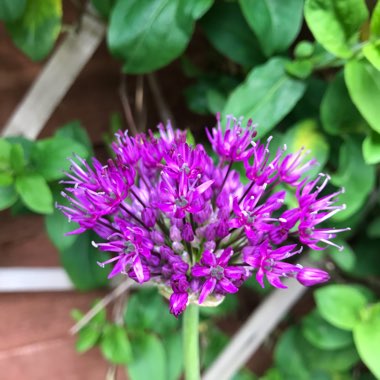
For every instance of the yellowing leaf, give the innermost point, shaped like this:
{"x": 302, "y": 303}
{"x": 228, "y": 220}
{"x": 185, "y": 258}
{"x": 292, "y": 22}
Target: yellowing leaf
{"x": 37, "y": 30}
{"x": 306, "y": 135}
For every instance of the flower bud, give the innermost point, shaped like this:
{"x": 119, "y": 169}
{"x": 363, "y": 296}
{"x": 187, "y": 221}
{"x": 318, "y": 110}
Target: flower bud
{"x": 312, "y": 276}
{"x": 148, "y": 216}
{"x": 157, "y": 237}
{"x": 187, "y": 232}
{"x": 175, "y": 234}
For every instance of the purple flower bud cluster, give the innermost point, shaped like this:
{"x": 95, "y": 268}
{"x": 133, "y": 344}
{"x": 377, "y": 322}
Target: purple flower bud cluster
{"x": 168, "y": 214}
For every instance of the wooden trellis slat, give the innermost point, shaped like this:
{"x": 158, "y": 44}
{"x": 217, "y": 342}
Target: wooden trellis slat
{"x": 56, "y": 78}
{"x": 29, "y": 119}
{"x": 34, "y": 280}
{"x": 252, "y": 334}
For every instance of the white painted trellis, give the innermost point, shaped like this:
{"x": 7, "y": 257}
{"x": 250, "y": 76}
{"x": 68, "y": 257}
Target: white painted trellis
{"x": 34, "y": 111}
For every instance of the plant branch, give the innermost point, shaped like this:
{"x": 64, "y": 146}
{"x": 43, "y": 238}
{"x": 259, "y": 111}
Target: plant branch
{"x": 117, "y": 292}
{"x": 118, "y": 311}
{"x": 126, "y": 106}
{"x": 161, "y": 104}
{"x": 140, "y": 104}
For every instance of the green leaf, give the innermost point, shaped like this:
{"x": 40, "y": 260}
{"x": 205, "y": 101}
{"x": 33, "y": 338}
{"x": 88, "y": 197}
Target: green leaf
{"x": 367, "y": 338}
{"x": 244, "y": 374}
{"x": 196, "y": 8}
{"x": 74, "y": 131}
{"x": 104, "y": 7}
{"x": 76, "y": 314}
{"x": 301, "y": 69}
{"x": 6, "y": 179}
{"x": 375, "y": 22}
{"x": 373, "y": 229}
{"x": 80, "y": 261}
{"x": 372, "y": 50}
{"x": 190, "y": 139}
{"x": 372, "y": 53}
{"x": 100, "y": 317}
{"x": 57, "y": 224}
{"x": 17, "y": 158}
{"x": 88, "y": 337}
{"x": 229, "y": 33}
{"x": 371, "y": 148}
{"x": 209, "y": 93}
{"x": 50, "y": 156}
{"x": 215, "y": 100}
{"x": 272, "y": 374}
{"x": 8, "y": 196}
{"x": 140, "y": 30}
{"x": 189, "y": 69}
{"x": 115, "y": 345}
{"x": 196, "y": 97}
{"x": 363, "y": 83}
{"x": 338, "y": 114}
{"x": 146, "y": 309}
{"x": 228, "y": 306}
{"x": 306, "y": 134}
{"x": 298, "y": 359}
{"x": 309, "y": 104}
{"x": 115, "y": 125}
{"x": 267, "y": 95}
{"x": 11, "y": 10}
{"x": 288, "y": 357}
{"x": 149, "y": 359}
{"x": 35, "y": 193}
{"x": 304, "y": 49}
{"x": 340, "y": 305}
{"x": 320, "y": 361}
{"x": 323, "y": 335}
{"x": 368, "y": 258}
{"x": 37, "y": 30}
{"x": 355, "y": 176}
{"x": 336, "y": 24}
{"x": 276, "y": 23}
{"x": 345, "y": 260}
{"x": 26, "y": 144}
{"x": 5, "y": 154}
{"x": 216, "y": 340}
{"x": 173, "y": 347}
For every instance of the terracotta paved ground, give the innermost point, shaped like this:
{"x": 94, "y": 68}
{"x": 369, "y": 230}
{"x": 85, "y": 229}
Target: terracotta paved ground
{"x": 35, "y": 343}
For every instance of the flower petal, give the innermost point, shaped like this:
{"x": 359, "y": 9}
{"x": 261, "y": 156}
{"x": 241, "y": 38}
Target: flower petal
{"x": 207, "y": 288}
{"x": 225, "y": 257}
{"x": 228, "y": 286}
{"x": 208, "y": 258}
{"x": 200, "y": 271}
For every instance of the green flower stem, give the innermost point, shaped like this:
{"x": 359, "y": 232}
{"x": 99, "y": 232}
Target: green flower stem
{"x": 191, "y": 342}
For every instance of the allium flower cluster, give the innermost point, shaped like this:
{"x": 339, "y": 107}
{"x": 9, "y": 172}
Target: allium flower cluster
{"x": 168, "y": 214}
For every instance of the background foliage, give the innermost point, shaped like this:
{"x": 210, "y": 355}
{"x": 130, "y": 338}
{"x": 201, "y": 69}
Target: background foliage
{"x": 308, "y": 72}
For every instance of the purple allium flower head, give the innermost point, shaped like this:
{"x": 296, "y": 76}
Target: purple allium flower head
{"x": 167, "y": 213}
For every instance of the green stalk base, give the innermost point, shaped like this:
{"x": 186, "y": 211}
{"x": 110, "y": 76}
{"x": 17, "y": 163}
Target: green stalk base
{"x": 191, "y": 342}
